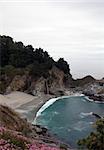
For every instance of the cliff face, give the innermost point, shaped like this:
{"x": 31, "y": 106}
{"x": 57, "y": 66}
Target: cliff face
{"x": 17, "y": 83}
{"x": 54, "y": 84}
{"x": 23, "y": 68}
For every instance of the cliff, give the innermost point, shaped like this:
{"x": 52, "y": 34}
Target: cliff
{"x": 54, "y": 84}
{"x": 18, "y": 134}
{"x": 23, "y": 68}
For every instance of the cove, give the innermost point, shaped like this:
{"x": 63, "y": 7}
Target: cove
{"x": 70, "y": 118}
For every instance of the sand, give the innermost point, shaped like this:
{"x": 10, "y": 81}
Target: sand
{"x": 16, "y": 99}
{"x": 26, "y": 104}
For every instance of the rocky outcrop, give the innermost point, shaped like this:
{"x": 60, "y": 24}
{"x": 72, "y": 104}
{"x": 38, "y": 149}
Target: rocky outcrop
{"x": 94, "y": 91}
{"x": 83, "y": 81}
{"x": 56, "y": 81}
{"x": 96, "y": 97}
{"x": 18, "y": 84}
{"x": 96, "y": 115}
{"x": 54, "y": 84}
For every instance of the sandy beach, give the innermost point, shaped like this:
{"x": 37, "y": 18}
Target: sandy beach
{"x": 16, "y": 99}
{"x": 27, "y": 105}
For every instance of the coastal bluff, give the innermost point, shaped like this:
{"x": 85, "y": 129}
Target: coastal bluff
{"x": 33, "y": 71}
{"x": 17, "y": 134}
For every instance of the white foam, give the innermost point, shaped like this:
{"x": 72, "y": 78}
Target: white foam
{"x": 46, "y": 105}
{"x": 51, "y": 101}
{"x": 91, "y": 100}
{"x": 83, "y": 115}
{"x": 91, "y": 123}
{"x": 86, "y": 114}
{"x": 99, "y": 102}
{"x": 56, "y": 113}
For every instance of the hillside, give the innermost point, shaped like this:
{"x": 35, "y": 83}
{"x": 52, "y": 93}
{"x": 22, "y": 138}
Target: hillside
{"x": 23, "y": 68}
{"x": 18, "y": 134}
{"x": 29, "y": 77}
{"x": 27, "y": 69}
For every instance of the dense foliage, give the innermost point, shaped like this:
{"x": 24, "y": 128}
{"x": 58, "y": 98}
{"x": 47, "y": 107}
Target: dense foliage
{"x": 17, "y": 55}
{"x": 95, "y": 141}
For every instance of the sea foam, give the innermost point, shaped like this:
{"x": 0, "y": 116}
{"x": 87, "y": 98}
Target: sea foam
{"x": 91, "y": 100}
{"x": 46, "y": 105}
{"x": 83, "y": 115}
{"x": 51, "y": 101}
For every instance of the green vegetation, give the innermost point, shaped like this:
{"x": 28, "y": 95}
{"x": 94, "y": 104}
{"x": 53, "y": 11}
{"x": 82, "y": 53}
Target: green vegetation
{"x": 18, "y": 59}
{"x": 95, "y": 141}
{"x": 17, "y": 55}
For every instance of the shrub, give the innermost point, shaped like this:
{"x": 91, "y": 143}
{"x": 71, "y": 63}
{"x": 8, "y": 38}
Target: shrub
{"x": 95, "y": 141}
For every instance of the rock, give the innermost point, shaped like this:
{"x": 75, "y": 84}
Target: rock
{"x": 38, "y": 130}
{"x": 97, "y": 98}
{"x": 83, "y": 81}
{"x": 96, "y": 115}
{"x": 53, "y": 85}
{"x": 18, "y": 83}
{"x": 88, "y": 93}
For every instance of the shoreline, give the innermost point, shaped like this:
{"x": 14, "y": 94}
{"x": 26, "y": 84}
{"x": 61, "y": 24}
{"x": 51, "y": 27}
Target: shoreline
{"x": 25, "y": 104}
{"x": 32, "y": 113}
{"x": 28, "y": 105}
{"x": 44, "y": 99}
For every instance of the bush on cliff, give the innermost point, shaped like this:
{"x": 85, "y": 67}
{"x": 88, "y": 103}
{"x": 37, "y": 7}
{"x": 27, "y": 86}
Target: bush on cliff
{"x": 95, "y": 141}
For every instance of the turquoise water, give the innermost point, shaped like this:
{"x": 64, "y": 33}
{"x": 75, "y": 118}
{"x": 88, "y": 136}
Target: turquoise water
{"x": 70, "y": 118}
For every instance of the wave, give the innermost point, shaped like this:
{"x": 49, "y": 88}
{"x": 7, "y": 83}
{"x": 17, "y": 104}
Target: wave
{"x": 91, "y": 100}
{"x": 51, "y": 101}
{"x": 99, "y": 102}
{"x": 87, "y": 114}
{"x": 82, "y": 114}
{"x": 46, "y": 105}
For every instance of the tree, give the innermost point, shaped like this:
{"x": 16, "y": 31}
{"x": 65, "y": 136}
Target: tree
{"x": 5, "y": 45}
{"x": 63, "y": 65}
{"x": 18, "y": 55}
{"x": 95, "y": 141}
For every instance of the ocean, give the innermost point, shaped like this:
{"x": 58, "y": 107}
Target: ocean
{"x": 69, "y": 118}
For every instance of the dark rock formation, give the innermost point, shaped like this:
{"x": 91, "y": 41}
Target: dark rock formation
{"x": 97, "y": 97}
{"x": 96, "y": 115}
